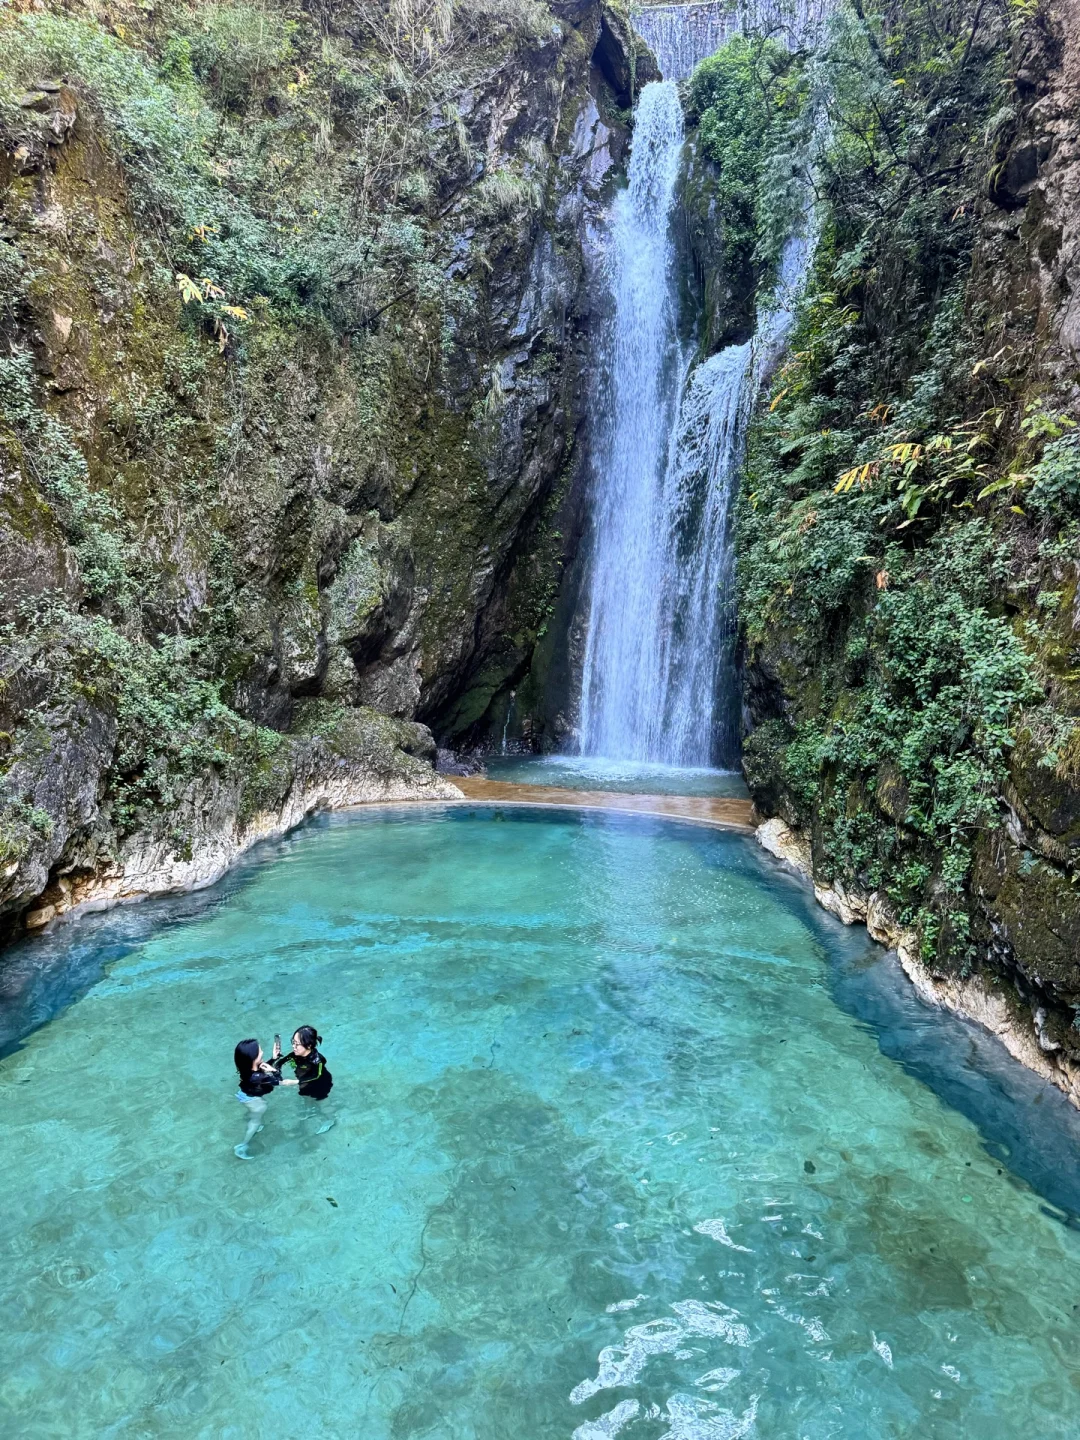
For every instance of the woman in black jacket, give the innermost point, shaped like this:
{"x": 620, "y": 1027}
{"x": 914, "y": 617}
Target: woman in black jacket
{"x": 257, "y": 1080}
{"x": 309, "y": 1067}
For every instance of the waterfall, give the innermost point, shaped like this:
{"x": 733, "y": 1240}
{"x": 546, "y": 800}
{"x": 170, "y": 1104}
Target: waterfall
{"x": 696, "y": 721}
{"x": 626, "y": 617}
{"x": 658, "y": 676}
{"x": 777, "y": 312}
{"x": 681, "y": 36}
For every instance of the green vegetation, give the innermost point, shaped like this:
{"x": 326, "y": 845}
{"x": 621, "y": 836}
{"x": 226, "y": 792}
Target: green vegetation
{"x": 89, "y": 519}
{"x": 748, "y": 101}
{"x": 885, "y": 553}
{"x": 232, "y": 337}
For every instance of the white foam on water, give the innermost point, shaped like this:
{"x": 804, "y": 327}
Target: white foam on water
{"x": 811, "y": 1325}
{"x": 712, "y": 1318}
{"x": 610, "y": 1424}
{"x": 692, "y": 1418}
{"x": 718, "y": 1379}
{"x": 622, "y": 1364}
{"x": 717, "y": 1230}
{"x": 619, "y": 1365}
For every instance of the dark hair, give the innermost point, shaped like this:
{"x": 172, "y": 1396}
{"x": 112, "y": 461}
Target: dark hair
{"x": 244, "y": 1057}
{"x": 308, "y": 1036}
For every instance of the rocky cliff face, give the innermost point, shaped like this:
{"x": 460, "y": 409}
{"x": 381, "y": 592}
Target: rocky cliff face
{"x": 289, "y": 392}
{"x": 909, "y": 529}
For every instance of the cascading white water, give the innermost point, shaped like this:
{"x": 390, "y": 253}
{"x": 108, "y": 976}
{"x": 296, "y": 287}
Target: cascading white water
{"x": 626, "y": 618}
{"x": 658, "y": 681}
{"x": 680, "y": 36}
{"x": 696, "y": 720}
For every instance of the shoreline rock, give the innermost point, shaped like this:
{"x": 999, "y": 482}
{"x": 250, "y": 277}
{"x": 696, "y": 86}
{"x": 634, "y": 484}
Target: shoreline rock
{"x": 342, "y": 758}
{"x": 151, "y": 868}
{"x": 974, "y": 997}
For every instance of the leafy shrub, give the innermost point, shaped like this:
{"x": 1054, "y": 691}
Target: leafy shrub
{"x": 172, "y": 722}
{"x": 234, "y": 50}
{"x": 167, "y": 133}
{"x": 744, "y": 98}
{"x": 1055, "y": 479}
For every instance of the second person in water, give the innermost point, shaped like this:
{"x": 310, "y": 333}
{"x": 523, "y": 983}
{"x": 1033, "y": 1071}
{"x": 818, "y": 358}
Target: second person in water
{"x": 309, "y": 1067}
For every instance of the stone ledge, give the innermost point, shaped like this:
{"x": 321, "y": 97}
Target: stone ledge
{"x": 972, "y": 998}
{"x": 147, "y": 867}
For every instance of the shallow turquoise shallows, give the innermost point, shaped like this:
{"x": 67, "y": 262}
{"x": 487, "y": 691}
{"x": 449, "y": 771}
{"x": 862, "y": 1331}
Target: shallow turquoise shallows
{"x": 618, "y": 1151}
{"x": 585, "y": 772}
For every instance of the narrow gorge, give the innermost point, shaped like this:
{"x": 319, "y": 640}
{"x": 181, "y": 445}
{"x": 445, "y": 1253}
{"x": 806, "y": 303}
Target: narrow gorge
{"x": 625, "y": 458}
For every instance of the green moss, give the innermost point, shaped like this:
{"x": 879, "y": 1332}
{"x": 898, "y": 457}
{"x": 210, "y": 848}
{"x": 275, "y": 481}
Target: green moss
{"x": 874, "y": 555}
{"x": 210, "y": 469}
{"x": 266, "y": 774}
{"x": 88, "y": 518}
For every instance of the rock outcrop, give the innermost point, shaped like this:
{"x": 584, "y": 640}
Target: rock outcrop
{"x": 911, "y": 688}
{"x": 985, "y": 998}
{"x": 243, "y": 474}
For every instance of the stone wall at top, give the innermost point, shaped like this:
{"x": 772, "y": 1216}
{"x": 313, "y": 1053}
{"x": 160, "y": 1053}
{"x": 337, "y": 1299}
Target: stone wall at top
{"x": 681, "y": 36}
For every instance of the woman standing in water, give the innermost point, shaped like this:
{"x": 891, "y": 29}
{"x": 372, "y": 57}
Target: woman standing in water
{"x": 257, "y": 1079}
{"x": 309, "y": 1066}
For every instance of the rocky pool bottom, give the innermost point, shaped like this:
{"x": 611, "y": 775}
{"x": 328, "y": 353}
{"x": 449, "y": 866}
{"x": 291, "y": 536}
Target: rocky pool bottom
{"x": 630, "y": 1139}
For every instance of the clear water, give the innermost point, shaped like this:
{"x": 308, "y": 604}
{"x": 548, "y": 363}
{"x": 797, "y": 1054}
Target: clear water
{"x": 615, "y": 1154}
{"x": 625, "y": 777}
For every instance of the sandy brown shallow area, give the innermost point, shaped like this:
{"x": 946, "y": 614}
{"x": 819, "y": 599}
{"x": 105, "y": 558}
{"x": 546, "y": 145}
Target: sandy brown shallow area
{"x": 728, "y": 814}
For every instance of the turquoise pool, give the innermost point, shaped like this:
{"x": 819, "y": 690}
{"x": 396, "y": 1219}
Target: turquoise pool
{"x": 630, "y": 1141}
{"x": 573, "y": 772}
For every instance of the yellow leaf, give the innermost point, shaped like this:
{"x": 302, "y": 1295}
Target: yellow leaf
{"x": 860, "y": 475}
{"x": 189, "y": 290}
